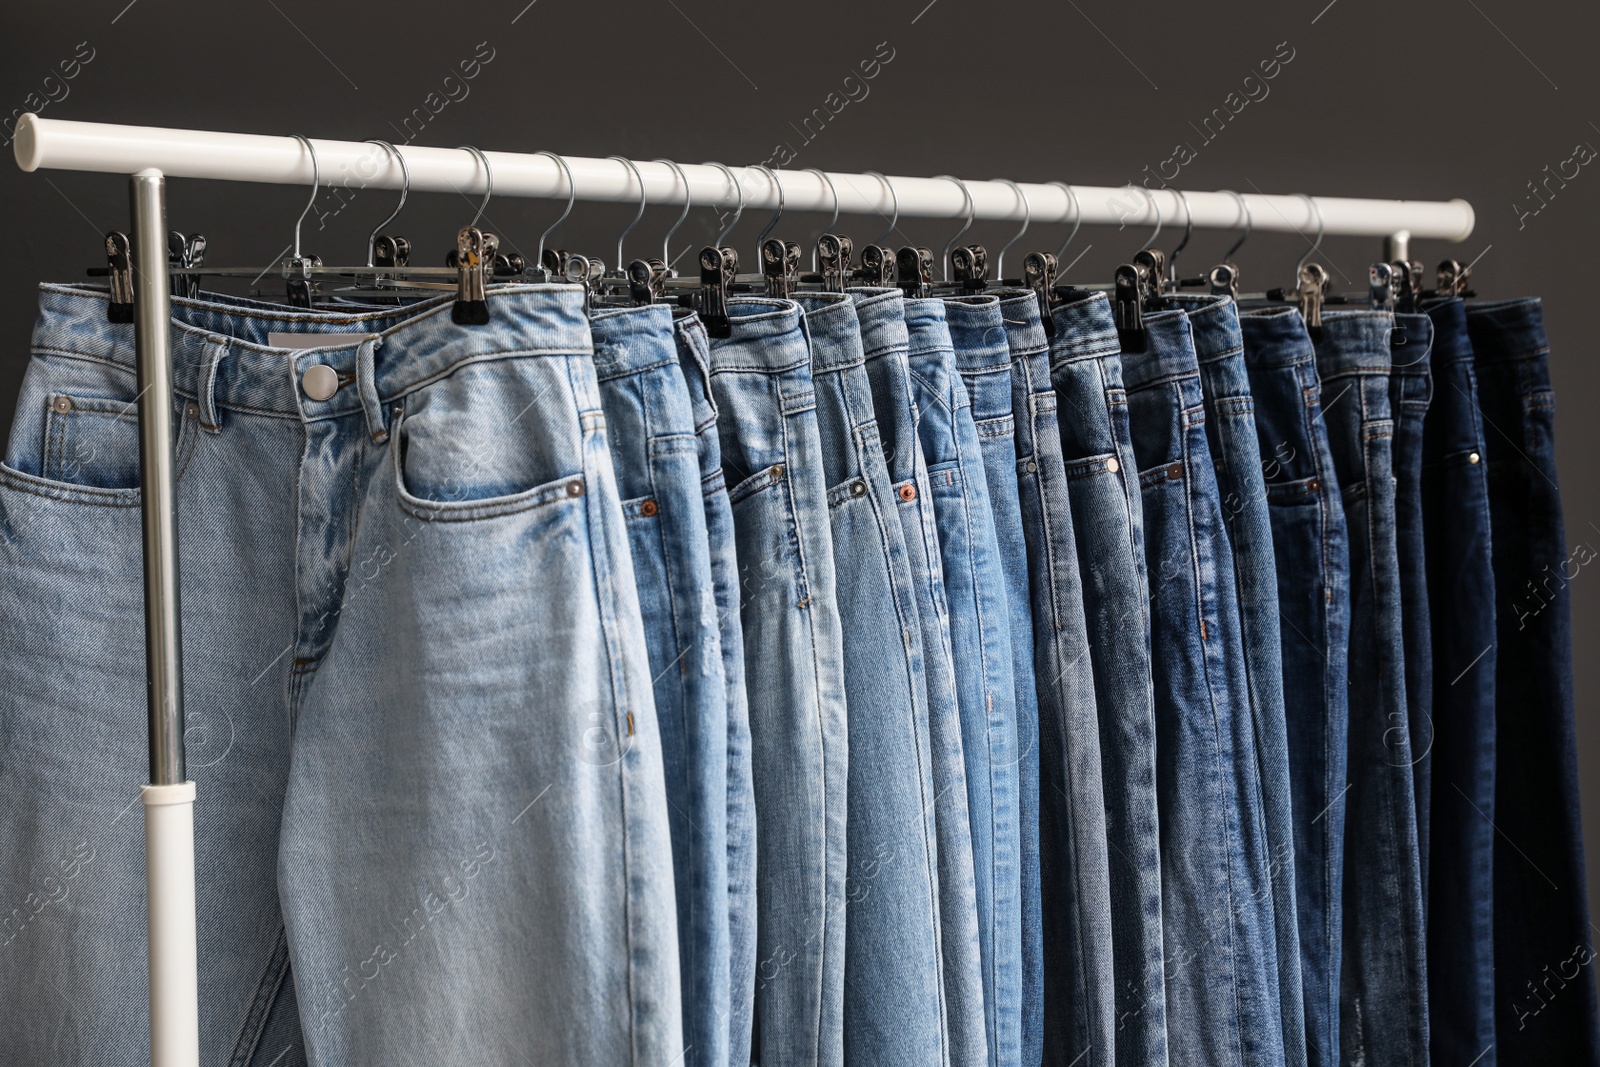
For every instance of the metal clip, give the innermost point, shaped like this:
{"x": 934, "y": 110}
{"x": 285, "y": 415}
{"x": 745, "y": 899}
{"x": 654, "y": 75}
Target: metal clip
{"x": 717, "y": 267}
{"x": 877, "y": 266}
{"x": 1224, "y": 280}
{"x": 302, "y": 290}
{"x": 1151, "y": 264}
{"x": 1453, "y": 275}
{"x": 390, "y": 252}
{"x": 834, "y": 252}
{"x": 779, "y": 262}
{"x": 475, "y": 251}
{"x": 1127, "y": 306}
{"x": 1313, "y": 284}
{"x": 119, "y": 257}
{"x": 970, "y": 266}
{"x": 185, "y": 252}
{"x": 1380, "y": 286}
{"x": 646, "y": 280}
{"x": 1039, "y": 274}
{"x": 914, "y": 267}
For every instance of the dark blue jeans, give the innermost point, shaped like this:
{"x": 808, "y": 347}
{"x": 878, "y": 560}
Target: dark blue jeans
{"x": 1383, "y": 999}
{"x": 1543, "y": 954}
{"x": 1079, "y": 1016}
{"x": 1102, "y": 484}
{"x": 1410, "y": 388}
{"x": 1455, "y": 527}
{"x": 1241, "y": 482}
{"x": 1311, "y": 553}
{"x": 1222, "y": 971}
{"x": 983, "y": 358}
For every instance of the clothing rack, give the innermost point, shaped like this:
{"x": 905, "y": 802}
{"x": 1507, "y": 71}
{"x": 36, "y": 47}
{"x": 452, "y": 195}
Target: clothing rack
{"x": 149, "y": 155}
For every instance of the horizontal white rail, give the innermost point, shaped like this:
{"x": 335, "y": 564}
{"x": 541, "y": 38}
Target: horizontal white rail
{"x": 62, "y": 144}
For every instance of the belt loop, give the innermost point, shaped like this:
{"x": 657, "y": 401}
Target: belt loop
{"x": 367, "y": 385}
{"x": 212, "y": 354}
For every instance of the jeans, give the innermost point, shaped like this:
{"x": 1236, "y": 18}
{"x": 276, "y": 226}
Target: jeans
{"x": 1410, "y": 387}
{"x": 1222, "y": 974}
{"x": 448, "y": 763}
{"x": 894, "y": 1007}
{"x": 1543, "y": 959}
{"x": 1455, "y": 524}
{"x": 794, "y": 675}
{"x": 651, "y": 430}
{"x": 1107, "y": 517}
{"x": 1079, "y": 979}
{"x": 1241, "y": 483}
{"x": 983, "y": 358}
{"x": 1311, "y": 551}
{"x": 1383, "y": 996}
{"x": 694, "y": 358}
{"x": 886, "y": 343}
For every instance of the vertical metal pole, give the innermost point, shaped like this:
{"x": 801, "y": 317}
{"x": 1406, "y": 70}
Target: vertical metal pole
{"x": 169, "y": 799}
{"x": 1397, "y": 246}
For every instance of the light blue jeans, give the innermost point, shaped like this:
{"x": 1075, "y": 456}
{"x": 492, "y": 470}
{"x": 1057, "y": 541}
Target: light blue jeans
{"x": 387, "y": 736}
{"x": 794, "y": 674}
{"x": 894, "y": 1006}
{"x": 980, "y": 641}
{"x": 651, "y": 430}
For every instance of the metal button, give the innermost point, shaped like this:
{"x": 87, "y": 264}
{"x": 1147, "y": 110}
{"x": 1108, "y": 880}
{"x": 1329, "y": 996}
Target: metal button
{"x": 191, "y": 410}
{"x": 320, "y": 381}
{"x": 1031, "y": 466}
{"x": 1474, "y": 458}
{"x": 574, "y": 488}
{"x": 1112, "y": 465}
{"x": 858, "y": 488}
{"x": 62, "y": 403}
{"x": 648, "y": 509}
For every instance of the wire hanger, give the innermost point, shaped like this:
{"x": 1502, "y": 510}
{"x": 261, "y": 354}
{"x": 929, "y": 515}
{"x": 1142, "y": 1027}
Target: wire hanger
{"x": 391, "y": 251}
{"x": 832, "y": 222}
{"x": 1027, "y": 217}
{"x": 779, "y": 260}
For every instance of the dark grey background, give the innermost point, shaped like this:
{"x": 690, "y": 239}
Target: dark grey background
{"x": 1430, "y": 100}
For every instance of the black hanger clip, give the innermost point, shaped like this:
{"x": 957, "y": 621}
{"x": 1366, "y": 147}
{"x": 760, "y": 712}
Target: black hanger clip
{"x": 970, "y": 266}
{"x": 390, "y": 253}
{"x": 301, "y": 289}
{"x": 1039, "y": 274}
{"x": 474, "y": 255}
{"x": 1309, "y": 296}
{"x": 834, "y": 252}
{"x": 646, "y": 281}
{"x": 119, "y": 257}
{"x": 1224, "y": 280}
{"x": 780, "y": 262}
{"x": 185, "y": 252}
{"x": 1151, "y": 265}
{"x": 1380, "y": 286}
{"x": 1453, "y": 278}
{"x": 877, "y": 267}
{"x": 1127, "y": 307}
{"x": 718, "y": 266}
{"x": 914, "y": 268}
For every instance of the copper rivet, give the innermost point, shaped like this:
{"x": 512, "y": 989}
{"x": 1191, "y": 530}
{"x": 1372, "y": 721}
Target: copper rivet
{"x": 62, "y": 403}
{"x": 574, "y": 488}
{"x": 1112, "y": 465}
{"x": 777, "y": 470}
{"x": 1175, "y": 471}
{"x": 1314, "y": 485}
{"x": 1474, "y": 458}
{"x": 648, "y": 509}
{"x": 908, "y": 492}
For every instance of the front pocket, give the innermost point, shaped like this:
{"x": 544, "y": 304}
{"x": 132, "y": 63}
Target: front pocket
{"x": 92, "y": 442}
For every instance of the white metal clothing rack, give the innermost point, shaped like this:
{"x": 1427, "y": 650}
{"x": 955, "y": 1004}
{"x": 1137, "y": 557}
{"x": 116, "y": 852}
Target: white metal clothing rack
{"x": 149, "y": 155}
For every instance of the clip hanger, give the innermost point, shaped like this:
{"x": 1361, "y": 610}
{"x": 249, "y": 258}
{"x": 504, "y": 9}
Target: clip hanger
{"x": 914, "y": 268}
{"x": 718, "y": 266}
{"x": 119, "y": 256}
{"x": 1039, "y": 274}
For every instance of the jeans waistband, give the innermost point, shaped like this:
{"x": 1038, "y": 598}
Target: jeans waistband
{"x": 766, "y": 336}
{"x": 883, "y": 319}
{"x": 1168, "y": 354}
{"x": 1275, "y": 337}
{"x": 221, "y": 350}
{"x": 1449, "y": 315}
{"x": 1214, "y": 321}
{"x": 1411, "y": 345}
{"x": 632, "y": 340}
{"x": 695, "y": 348}
{"x": 927, "y": 327}
{"x": 1354, "y": 342}
{"x": 1507, "y": 330}
{"x": 834, "y": 330}
{"x": 1024, "y": 326}
{"x": 978, "y": 334}
{"x": 1085, "y": 329}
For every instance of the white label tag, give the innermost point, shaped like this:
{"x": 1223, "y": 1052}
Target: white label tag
{"x": 311, "y": 340}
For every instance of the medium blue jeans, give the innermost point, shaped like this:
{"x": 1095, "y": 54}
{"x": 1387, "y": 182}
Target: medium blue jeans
{"x": 1312, "y": 557}
{"x": 1107, "y": 517}
{"x": 794, "y": 674}
{"x": 1383, "y": 992}
{"x": 694, "y": 357}
{"x": 448, "y": 762}
{"x": 886, "y": 343}
{"x": 894, "y": 1004}
{"x": 1079, "y": 976}
{"x": 1241, "y": 482}
{"x": 1410, "y": 387}
{"x": 980, "y": 639}
{"x": 1543, "y": 946}
{"x": 1455, "y": 524}
{"x": 651, "y": 432}
{"x": 1222, "y": 973}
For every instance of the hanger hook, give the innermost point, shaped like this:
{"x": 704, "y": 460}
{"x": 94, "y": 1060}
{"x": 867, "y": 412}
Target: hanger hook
{"x": 894, "y": 199}
{"x": 1027, "y": 217}
{"x": 688, "y": 201}
{"x": 1077, "y": 219}
{"x": 625, "y": 161}
{"x": 572, "y": 196}
{"x": 1249, "y": 224}
{"x": 738, "y": 211}
{"x": 1148, "y": 195}
{"x": 972, "y": 213}
{"x": 1312, "y": 204}
{"x": 488, "y": 180}
{"x": 405, "y": 191}
{"x": 761, "y": 238}
{"x": 1188, "y": 232}
{"x": 831, "y": 222}
{"x": 316, "y": 183}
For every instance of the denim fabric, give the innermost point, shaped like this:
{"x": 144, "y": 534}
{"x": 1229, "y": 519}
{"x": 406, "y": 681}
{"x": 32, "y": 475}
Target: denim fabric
{"x": 1383, "y": 987}
{"x": 1410, "y": 388}
{"x": 886, "y": 344}
{"x": 340, "y": 554}
{"x": 1543, "y": 954}
{"x": 651, "y": 431}
{"x": 1222, "y": 976}
{"x": 794, "y": 675}
{"x": 1097, "y": 447}
{"x": 894, "y": 1009}
{"x": 1241, "y": 483}
{"x": 1455, "y": 525}
{"x": 1312, "y": 557}
{"x": 1079, "y": 976}
{"x": 980, "y": 639}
